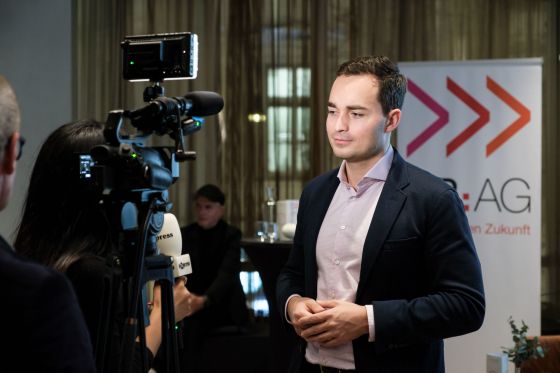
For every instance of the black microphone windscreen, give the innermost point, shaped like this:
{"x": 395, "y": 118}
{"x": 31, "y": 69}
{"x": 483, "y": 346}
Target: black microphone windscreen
{"x": 204, "y": 103}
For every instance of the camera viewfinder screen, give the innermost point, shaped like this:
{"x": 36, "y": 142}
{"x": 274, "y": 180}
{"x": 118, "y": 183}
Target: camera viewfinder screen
{"x": 85, "y": 166}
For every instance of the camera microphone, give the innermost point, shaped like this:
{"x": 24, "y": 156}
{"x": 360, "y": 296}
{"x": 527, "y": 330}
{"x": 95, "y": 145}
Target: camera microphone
{"x": 204, "y": 103}
{"x": 198, "y": 103}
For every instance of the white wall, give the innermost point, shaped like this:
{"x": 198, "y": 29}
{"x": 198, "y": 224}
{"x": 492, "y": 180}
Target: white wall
{"x": 35, "y": 56}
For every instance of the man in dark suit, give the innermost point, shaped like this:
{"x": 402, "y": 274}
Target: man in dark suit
{"x": 43, "y": 329}
{"x": 383, "y": 265}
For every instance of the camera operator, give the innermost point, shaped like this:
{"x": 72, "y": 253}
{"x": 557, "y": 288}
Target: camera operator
{"x": 42, "y": 322}
{"x": 65, "y": 227}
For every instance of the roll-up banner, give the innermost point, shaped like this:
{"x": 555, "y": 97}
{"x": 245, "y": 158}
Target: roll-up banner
{"x": 477, "y": 124}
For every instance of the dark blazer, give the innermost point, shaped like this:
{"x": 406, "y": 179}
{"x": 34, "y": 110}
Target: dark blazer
{"x": 419, "y": 270}
{"x": 43, "y": 329}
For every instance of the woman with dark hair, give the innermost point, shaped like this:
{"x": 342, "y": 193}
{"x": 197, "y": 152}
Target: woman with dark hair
{"x": 65, "y": 227}
{"x": 62, "y": 220}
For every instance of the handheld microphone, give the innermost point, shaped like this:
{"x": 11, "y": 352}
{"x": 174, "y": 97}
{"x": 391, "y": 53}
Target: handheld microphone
{"x": 170, "y": 243}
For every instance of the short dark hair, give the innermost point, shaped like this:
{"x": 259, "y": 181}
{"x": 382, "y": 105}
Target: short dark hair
{"x": 392, "y": 83}
{"x": 212, "y": 193}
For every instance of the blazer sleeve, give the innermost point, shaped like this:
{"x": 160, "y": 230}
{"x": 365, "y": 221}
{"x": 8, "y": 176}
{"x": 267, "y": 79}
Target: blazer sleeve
{"x": 453, "y": 300}
{"x": 60, "y": 335}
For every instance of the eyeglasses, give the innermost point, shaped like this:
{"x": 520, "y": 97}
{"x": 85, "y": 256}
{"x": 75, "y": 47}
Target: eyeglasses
{"x": 21, "y": 142}
{"x": 20, "y": 147}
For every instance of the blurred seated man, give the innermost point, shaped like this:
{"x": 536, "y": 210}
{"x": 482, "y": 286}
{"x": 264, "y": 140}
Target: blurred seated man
{"x": 217, "y": 302}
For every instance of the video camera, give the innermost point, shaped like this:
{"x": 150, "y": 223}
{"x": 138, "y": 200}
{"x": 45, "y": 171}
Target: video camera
{"x": 123, "y": 163}
{"x": 133, "y": 180}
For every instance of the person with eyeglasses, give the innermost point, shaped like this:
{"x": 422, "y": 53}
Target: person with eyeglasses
{"x": 42, "y": 319}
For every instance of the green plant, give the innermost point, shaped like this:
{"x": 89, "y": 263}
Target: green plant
{"x": 524, "y": 348}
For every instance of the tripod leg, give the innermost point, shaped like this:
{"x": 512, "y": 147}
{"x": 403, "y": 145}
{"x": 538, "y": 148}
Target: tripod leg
{"x": 142, "y": 335}
{"x": 169, "y": 335}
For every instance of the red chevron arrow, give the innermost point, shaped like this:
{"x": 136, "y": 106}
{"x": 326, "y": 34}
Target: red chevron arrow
{"x": 512, "y": 129}
{"x": 438, "y": 124}
{"x": 474, "y": 127}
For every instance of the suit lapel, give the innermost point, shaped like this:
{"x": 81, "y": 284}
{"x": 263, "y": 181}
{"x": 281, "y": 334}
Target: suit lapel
{"x": 388, "y": 209}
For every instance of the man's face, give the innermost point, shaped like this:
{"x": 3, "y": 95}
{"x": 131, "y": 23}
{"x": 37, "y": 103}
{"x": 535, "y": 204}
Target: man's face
{"x": 355, "y": 120}
{"x": 208, "y": 213}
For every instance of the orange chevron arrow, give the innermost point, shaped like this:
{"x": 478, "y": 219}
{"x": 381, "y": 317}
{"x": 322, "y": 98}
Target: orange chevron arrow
{"x": 474, "y": 127}
{"x": 512, "y": 129}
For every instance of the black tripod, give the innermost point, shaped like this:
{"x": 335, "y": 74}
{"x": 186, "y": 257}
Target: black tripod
{"x": 134, "y": 180}
{"x": 133, "y": 265}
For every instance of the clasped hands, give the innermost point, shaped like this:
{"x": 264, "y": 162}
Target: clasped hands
{"x": 329, "y": 323}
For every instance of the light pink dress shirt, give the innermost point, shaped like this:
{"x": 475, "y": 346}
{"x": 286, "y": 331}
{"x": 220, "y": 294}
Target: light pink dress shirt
{"x": 339, "y": 251}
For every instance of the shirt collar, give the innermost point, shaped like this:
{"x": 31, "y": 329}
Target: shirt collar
{"x": 378, "y": 172}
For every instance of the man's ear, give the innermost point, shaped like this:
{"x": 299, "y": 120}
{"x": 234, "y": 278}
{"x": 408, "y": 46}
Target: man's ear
{"x": 8, "y": 164}
{"x": 393, "y": 120}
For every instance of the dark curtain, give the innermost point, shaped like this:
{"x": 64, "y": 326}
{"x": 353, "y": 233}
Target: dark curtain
{"x": 242, "y": 160}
